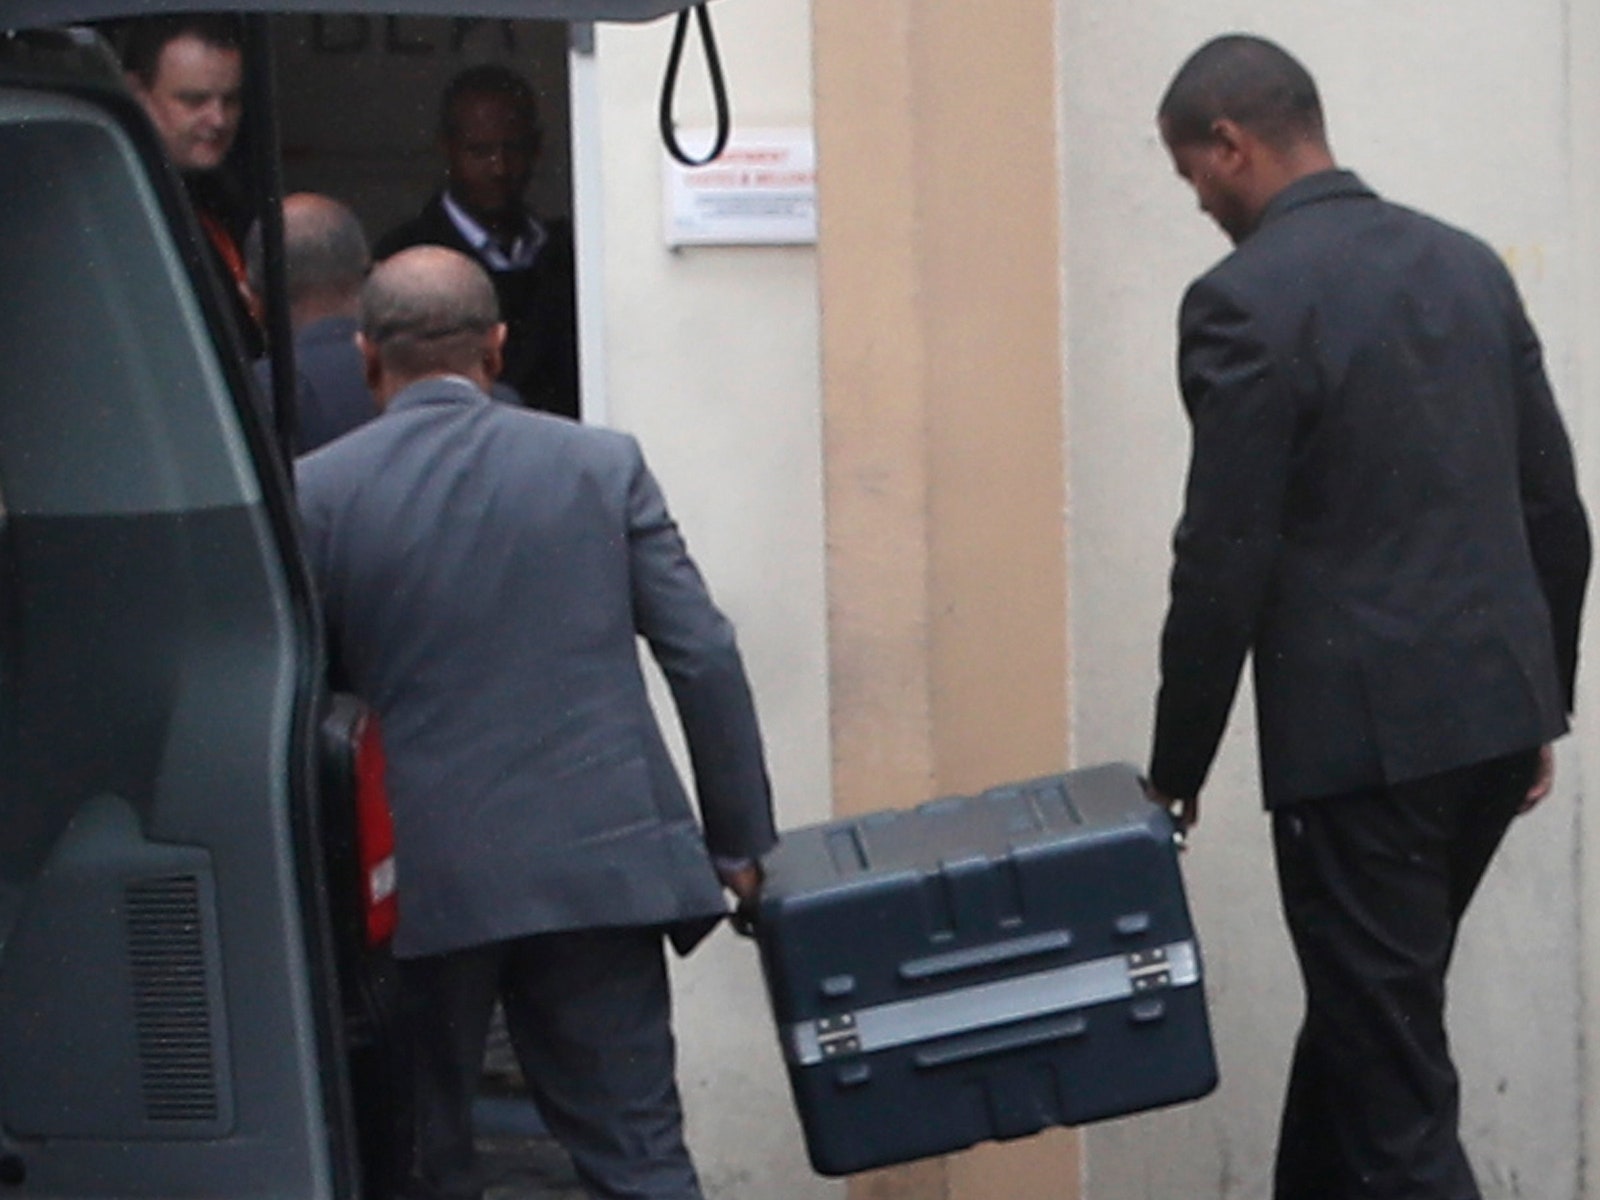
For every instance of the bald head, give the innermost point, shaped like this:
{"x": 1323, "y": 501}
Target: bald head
{"x": 430, "y": 311}
{"x": 325, "y": 257}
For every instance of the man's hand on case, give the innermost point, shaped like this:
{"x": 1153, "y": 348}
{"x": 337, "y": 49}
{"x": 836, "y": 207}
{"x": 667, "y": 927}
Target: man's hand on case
{"x": 1543, "y": 779}
{"x": 1185, "y": 812}
{"x": 743, "y": 880}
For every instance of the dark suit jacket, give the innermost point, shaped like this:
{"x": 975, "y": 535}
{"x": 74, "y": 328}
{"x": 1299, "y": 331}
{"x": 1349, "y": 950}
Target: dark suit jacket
{"x": 1381, "y": 506}
{"x": 486, "y": 572}
{"x": 538, "y": 305}
{"x": 217, "y": 196}
{"x": 331, "y": 394}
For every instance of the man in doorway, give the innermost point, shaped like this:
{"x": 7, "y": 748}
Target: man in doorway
{"x": 491, "y": 138}
{"x": 325, "y": 264}
{"x": 486, "y": 572}
{"x": 1381, "y": 510}
{"x": 188, "y": 74}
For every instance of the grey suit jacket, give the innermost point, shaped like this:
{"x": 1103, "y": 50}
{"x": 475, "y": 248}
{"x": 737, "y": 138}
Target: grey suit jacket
{"x": 331, "y": 396}
{"x": 1381, "y": 506}
{"x": 486, "y": 572}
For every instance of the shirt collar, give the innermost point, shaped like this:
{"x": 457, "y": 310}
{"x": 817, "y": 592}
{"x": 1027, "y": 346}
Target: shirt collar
{"x": 437, "y": 389}
{"x": 1335, "y": 184}
{"x": 518, "y": 256}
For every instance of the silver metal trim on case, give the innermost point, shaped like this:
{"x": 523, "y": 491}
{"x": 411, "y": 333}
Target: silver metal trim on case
{"x": 926, "y": 1018}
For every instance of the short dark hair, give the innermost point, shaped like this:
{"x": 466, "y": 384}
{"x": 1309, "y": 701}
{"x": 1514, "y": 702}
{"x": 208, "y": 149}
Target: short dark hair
{"x": 144, "y": 39}
{"x": 426, "y": 311}
{"x": 487, "y": 79}
{"x": 1248, "y": 80}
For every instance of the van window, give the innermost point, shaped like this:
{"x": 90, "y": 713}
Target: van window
{"x": 112, "y": 399}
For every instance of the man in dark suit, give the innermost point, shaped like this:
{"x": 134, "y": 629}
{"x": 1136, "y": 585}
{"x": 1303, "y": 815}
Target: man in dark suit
{"x": 486, "y": 572}
{"x": 490, "y": 134}
{"x": 1381, "y": 510}
{"x": 325, "y": 263}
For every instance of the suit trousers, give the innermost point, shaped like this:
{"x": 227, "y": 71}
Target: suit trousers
{"x": 589, "y": 1012}
{"x": 1374, "y": 886}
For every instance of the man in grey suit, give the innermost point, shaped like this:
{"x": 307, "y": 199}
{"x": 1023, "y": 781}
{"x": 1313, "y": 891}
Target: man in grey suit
{"x": 486, "y": 571}
{"x": 1382, "y": 511}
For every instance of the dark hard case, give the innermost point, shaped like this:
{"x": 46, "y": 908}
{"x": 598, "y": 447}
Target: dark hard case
{"x": 983, "y": 967}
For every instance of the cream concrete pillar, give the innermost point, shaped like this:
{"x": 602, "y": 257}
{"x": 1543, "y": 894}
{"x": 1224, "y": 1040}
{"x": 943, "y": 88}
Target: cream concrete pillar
{"x": 942, "y": 402}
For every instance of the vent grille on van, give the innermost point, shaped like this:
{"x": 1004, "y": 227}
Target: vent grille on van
{"x": 166, "y": 947}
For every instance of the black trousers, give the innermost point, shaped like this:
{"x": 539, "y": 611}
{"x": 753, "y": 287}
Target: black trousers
{"x": 1374, "y": 886}
{"x": 590, "y": 1017}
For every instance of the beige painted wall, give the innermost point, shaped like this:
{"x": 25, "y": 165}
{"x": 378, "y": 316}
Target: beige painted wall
{"x": 943, "y": 479}
{"x": 942, "y": 396}
{"x": 1477, "y": 114}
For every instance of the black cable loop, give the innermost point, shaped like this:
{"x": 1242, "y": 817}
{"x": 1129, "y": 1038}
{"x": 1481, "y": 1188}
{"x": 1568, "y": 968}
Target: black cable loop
{"x": 719, "y": 89}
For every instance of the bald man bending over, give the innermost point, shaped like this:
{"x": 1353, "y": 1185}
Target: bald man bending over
{"x": 485, "y": 572}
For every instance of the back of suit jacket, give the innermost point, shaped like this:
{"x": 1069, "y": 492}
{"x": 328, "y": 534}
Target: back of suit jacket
{"x": 486, "y": 571}
{"x": 1381, "y": 505}
{"x": 330, "y": 387}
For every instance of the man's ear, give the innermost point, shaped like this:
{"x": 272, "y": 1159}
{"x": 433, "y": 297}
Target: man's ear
{"x": 371, "y": 367}
{"x": 1234, "y": 143}
{"x": 494, "y": 351}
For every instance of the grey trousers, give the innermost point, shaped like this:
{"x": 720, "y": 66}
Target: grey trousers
{"x": 589, "y": 1014}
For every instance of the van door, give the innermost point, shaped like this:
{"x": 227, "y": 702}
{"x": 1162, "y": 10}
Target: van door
{"x": 168, "y": 1016}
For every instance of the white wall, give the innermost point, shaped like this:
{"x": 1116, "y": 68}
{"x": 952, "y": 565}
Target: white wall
{"x": 710, "y": 358}
{"x": 1464, "y": 110}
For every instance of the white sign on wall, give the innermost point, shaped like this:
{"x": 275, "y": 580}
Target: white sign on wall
{"x": 761, "y": 191}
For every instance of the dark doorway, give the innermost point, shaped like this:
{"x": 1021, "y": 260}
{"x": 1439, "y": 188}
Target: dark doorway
{"x": 359, "y": 108}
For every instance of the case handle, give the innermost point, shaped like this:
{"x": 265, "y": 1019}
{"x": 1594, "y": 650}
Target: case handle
{"x": 982, "y": 1045}
{"x": 918, "y": 970}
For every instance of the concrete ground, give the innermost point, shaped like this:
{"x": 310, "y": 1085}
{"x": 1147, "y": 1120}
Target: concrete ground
{"x": 519, "y": 1158}
{"x": 527, "y": 1168}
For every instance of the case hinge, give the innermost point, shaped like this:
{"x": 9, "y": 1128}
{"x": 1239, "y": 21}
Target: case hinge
{"x": 1149, "y": 969}
{"x": 837, "y": 1035}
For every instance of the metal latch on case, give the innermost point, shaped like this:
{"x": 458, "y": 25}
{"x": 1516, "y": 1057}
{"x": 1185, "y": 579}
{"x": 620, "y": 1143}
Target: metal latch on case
{"x": 837, "y": 1035}
{"x": 1149, "y": 969}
